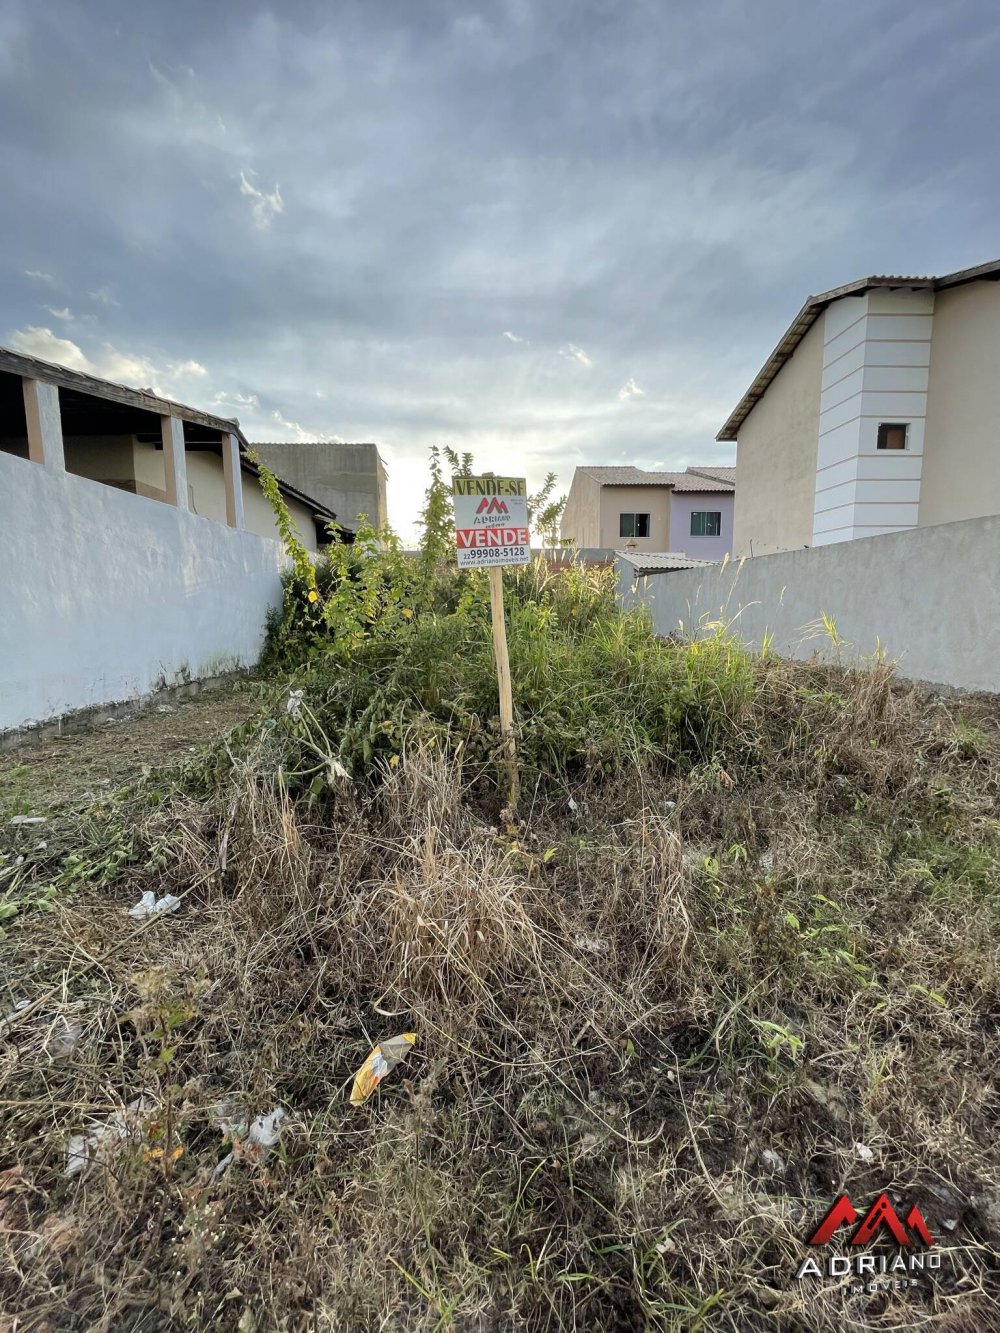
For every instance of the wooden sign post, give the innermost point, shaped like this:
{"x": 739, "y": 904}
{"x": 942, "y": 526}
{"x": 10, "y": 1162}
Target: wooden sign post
{"x": 491, "y": 530}
{"x": 503, "y": 680}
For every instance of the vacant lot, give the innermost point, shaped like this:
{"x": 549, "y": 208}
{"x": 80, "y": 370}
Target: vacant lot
{"x": 735, "y": 953}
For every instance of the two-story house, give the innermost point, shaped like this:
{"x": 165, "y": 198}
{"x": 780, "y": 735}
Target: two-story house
{"x": 686, "y": 512}
{"x": 876, "y": 412}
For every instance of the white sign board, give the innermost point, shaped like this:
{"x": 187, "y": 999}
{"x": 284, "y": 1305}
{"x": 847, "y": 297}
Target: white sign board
{"x": 491, "y": 521}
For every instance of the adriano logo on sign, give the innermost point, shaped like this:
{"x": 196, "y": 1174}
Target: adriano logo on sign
{"x": 493, "y": 506}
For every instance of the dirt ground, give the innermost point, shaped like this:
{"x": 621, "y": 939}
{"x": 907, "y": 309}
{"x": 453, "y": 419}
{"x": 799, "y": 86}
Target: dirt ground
{"x": 65, "y": 772}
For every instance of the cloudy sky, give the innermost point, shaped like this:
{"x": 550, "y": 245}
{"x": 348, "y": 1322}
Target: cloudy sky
{"x": 553, "y": 232}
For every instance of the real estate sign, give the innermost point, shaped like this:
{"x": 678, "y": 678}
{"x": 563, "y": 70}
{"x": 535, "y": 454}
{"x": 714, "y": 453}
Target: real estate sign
{"x": 491, "y": 521}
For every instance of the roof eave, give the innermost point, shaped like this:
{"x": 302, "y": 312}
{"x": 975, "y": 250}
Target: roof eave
{"x": 31, "y": 367}
{"x": 811, "y": 311}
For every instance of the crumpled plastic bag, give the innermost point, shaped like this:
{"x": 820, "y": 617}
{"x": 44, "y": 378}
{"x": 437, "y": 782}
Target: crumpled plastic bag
{"x": 252, "y": 1139}
{"x": 83, "y": 1151}
{"x": 150, "y": 905}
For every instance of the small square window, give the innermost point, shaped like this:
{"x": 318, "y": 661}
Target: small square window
{"x": 706, "y": 523}
{"x": 633, "y": 525}
{"x": 893, "y": 435}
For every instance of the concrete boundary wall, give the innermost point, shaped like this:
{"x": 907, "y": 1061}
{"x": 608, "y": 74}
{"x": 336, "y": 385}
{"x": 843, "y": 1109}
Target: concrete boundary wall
{"x": 106, "y": 596}
{"x": 929, "y": 597}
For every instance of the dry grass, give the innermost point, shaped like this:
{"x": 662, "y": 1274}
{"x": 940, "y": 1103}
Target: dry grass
{"x": 650, "y": 1032}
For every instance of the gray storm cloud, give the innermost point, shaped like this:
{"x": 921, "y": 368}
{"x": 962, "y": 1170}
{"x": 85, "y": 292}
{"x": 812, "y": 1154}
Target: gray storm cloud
{"x": 494, "y": 222}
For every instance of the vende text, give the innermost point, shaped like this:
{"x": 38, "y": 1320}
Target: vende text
{"x": 469, "y": 537}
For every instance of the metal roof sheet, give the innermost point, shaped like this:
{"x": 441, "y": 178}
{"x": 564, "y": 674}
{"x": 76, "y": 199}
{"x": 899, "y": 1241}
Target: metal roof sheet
{"x": 652, "y": 563}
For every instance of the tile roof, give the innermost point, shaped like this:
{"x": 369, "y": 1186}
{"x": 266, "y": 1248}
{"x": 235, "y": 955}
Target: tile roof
{"x": 814, "y": 307}
{"x": 628, "y": 476}
{"x": 694, "y": 479}
{"x": 717, "y": 473}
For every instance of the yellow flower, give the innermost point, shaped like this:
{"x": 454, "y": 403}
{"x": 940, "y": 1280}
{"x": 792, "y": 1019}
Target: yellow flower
{"x": 407, "y": 612}
{"x": 313, "y": 595}
{"x": 156, "y": 1154}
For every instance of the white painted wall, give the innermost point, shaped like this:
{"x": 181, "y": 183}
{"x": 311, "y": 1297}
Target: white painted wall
{"x": 927, "y": 597}
{"x": 876, "y": 353}
{"x": 106, "y": 596}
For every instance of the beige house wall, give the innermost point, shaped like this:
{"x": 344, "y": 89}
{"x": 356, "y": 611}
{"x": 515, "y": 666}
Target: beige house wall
{"x": 961, "y": 467}
{"x": 102, "y": 458}
{"x": 133, "y": 464}
{"x": 259, "y": 516}
{"x": 651, "y": 500}
{"x": 150, "y": 472}
{"x": 581, "y": 519}
{"x": 776, "y": 457}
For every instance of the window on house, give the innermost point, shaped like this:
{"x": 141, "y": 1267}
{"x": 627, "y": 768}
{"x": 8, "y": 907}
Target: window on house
{"x": 633, "y": 525}
{"x": 706, "y": 523}
{"x": 892, "y": 435}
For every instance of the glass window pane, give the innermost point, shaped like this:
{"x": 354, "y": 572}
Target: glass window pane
{"x": 626, "y": 525}
{"x": 642, "y": 525}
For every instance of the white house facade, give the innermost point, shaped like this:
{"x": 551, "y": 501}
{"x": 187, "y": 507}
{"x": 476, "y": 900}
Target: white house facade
{"x": 874, "y": 414}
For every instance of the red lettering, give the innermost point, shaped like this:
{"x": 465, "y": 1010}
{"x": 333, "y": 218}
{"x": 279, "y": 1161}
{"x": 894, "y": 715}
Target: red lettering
{"x": 469, "y": 538}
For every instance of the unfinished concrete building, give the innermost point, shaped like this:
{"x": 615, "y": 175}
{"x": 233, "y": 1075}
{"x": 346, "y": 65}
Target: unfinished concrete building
{"x": 349, "y": 478}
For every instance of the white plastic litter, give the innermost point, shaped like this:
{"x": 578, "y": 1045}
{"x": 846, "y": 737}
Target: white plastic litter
{"x": 294, "y": 705}
{"x": 572, "y": 806}
{"x": 772, "y": 1160}
{"x": 28, "y": 819}
{"x": 66, "y": 1037}
{"x": 84, "y": 1150}
{"x": 266, "y": 1128}
{"x": 592, "y": 943}
{"x": 164, "y": 708}
{"x": 767, "y": 862}
{"x": 864, "y": 1152}
{"x": 150, "y": 905}
{"x": 253, "y": 1138}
